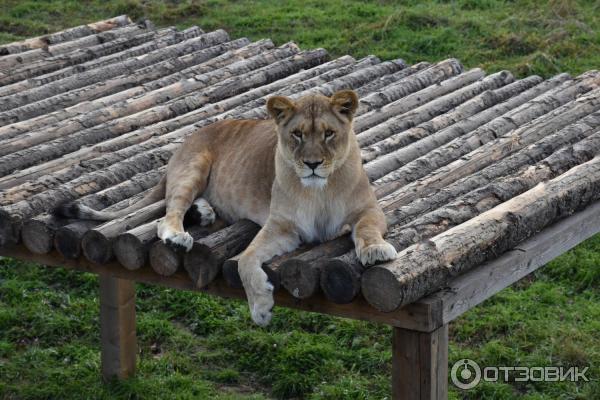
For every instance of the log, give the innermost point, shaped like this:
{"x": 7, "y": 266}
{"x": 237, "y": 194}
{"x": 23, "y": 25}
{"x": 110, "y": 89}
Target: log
{"x": 38, "y": 232}
{"x": 517, "y": 125}
{"x": 458, "y": 111}
{"x": 203, "y": 262}
{"x": 440, "y": 105}
{"x": 163, "y": 40}
{"x": 341, "y": 277}
{"x": 105, "y": 153}
{"x": 380, "y": 83}
{"x": 108, "y": 71}
{"x": 69, "y": 63}
{"x": 14, "y": 62}
{"x": 147, "y": 111}
{"x": 422, "y": 268}
{"x": 404, "y": 87}
{"x": 146, "y": 153}
{"x": 95, "y": 240}
{"x": 432, "y": 139}
{"x": 164, "y": 73}
{"x": 64, "y": 36}
{"x": 131, "y": 248}
{"x": 166, "y": 260}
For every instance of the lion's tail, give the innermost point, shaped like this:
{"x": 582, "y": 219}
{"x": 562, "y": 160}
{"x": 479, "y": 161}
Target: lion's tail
{"x": 80, "y": 211}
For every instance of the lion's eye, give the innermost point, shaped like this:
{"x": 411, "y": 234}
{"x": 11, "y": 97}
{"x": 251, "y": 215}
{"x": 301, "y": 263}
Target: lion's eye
{"x": 297, "y": 134}
{"x": 329, "y": 134}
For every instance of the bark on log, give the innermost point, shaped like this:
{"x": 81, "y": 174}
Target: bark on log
{"x": 163, "y": 73}
{"x": 38, "y": 233}
{"x": 390, "y": 79}
{"x": 402, "y": 88}
{"x": 341, "y": 278}
{"x": 147, "y": 151}
{"x": 203, "y": 263}
{"x": 522, "y": 126}
{"x": 400, "y": 123}
{"x": 422, "y": 268}
{"x": 431, "y": 138}
{"x": 68, "y": 64}
{"x": 458, "y": 111}
{"x": 127, "y": 66}
{"x": 15, "y": 62}
{"x": 96, "y": 239}
{"x": 56, "y": 142}
{"x": 64, "y": 36}
{"x": 163, "y": 40}
{"x": 131, "y": 247}
{"x": 166, "y": 260}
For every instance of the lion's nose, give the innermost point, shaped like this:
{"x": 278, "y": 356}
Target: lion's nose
{"x": 313, "y": 164}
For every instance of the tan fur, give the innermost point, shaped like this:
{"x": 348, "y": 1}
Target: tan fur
{"x": 257, "y": 169}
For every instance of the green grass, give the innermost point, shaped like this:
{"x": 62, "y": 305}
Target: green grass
{"x": 196, "y": 346}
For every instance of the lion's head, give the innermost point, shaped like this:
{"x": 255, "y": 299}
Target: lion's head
{"x": 315, "y": 133}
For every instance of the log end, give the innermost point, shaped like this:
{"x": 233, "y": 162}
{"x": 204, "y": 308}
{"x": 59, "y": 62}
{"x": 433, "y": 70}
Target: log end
{"x": 130, "y": 251}
{"x": 67, "y": 243}
{"x": 201, "y": 265}
{"x": 300, "y": 278}
{"x": 164, "y": 260}
{"x": 10, "y": 229}
{"x": 381, "y": 289}
{"x": 339, "y": 281}
{"x": 37, "y": 236}
{"x": 231, "y": 274}
{"x": 96, "y": 247}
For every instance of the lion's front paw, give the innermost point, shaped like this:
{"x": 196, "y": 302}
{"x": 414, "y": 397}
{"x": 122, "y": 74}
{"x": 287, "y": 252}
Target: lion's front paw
{"x": 375, "y": 253}
{"x": 259, "y": 292}
{"x": 179, "y": 240}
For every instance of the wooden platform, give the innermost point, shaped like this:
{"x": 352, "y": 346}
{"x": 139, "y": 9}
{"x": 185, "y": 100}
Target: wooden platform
{"x": 93, "y": 114}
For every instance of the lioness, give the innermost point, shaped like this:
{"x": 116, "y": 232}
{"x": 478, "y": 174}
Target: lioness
{"x": 299, "y": 175}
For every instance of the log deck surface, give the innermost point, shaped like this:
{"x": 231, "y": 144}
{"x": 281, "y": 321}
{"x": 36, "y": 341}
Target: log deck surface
{"x": 483, "y": 178}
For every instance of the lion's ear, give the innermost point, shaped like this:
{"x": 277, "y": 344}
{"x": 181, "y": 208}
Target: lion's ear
{"x": 280, "y": 107}
{"x": 345, "y": 102}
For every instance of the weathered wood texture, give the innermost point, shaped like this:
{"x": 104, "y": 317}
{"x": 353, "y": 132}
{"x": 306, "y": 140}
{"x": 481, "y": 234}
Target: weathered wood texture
{"x": 421, "y": 268}
{"x": 117, "y": 327}
{"x": 64, "y": 36}
{"x": 97, "y": 123}
{"x": 420, "y": 364}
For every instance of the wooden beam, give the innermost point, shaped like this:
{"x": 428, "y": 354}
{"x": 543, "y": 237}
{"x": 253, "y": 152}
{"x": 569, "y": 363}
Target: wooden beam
{"x": 425, "y": 316}
{"x": 420, "y": 364}
{"x": 117, "y": 327}
{"x": 468, "y": 290}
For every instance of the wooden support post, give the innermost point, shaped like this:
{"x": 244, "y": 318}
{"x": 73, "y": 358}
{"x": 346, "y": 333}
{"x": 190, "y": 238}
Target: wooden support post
{"x": 420, "y": 364}
{"x": 117, "y": 327}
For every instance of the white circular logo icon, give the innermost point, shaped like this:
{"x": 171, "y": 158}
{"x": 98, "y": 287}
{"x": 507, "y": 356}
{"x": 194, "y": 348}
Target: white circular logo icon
{"x": 465, "y": 374}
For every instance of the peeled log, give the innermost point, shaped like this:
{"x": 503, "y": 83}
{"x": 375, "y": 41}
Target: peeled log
{"x": 396, "y": 159}
{"x": 111, "y": 70}
{"x": 64, "y": 36}
{"x": 203, "y": 262}
{"x": 424, "y": 267}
